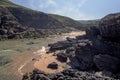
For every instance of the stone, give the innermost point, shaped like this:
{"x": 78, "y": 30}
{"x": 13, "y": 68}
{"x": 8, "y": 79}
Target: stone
{"x": 74, "y": 63}
{"x": 106, "y": 62}
{"x": 60, "y": 45}
{"x": 43, "y": 77}
{"x": 70, "y": 51}
{"x": 53, "y": 65}
{"x": 69, "y": 74}
{"x": 84, "y": 54}
{"x": 61, "y": 57}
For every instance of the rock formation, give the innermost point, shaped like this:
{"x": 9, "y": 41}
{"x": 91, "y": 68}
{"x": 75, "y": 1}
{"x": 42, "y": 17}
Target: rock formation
{"x": 61, "y": 57}
{"x": 97, "y": 52}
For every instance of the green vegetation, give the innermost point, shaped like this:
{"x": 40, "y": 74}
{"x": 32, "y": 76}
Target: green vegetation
{"x": 4, "y": 60}
{"x": 7, "y": 3}
{"x": 61, "y": 18}
{"x": 13, "y": 49}
{"x": 90, "y": 23}
{"x": 68, "y": 21}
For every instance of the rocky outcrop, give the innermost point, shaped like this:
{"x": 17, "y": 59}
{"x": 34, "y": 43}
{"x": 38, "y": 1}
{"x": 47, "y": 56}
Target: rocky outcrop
{"x": 110, "y": 27}
{"x": 92, "y": 32}
{"x": 61, "y": 45}
{"x": 92, "y": 53}
{"x": 84, "y": 54}
{"x": 70, "y": 74}
{"x": 96, "y": 52}
{"x": 106, "y": 62}
{"x": 61, "y": 57}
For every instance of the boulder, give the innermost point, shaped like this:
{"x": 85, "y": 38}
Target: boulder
{"x": 84, "y": 54}
{"x": 70, "y": 51}
{"x": 53, "y": 65}
{"x": 106, "y": 62}
{"x": 60, "y": 45}
{"x": 61, "y": 57}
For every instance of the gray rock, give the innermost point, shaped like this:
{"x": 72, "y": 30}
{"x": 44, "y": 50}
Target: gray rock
{"x": 61, "y": 45}
{"x": 110, "y": 27}
{"x": 61, "y": 57}
{"x": 84, "y": 54}
{"x": 106, "y": 62}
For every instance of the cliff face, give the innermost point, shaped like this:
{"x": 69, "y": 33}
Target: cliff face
{"x": 35, "y": 19}
{"x": 18, "y": 20}
{"x": 110, "y": 27}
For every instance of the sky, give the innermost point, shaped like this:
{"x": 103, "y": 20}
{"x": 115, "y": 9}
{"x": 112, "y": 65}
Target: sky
{"x": 75, "y": 9}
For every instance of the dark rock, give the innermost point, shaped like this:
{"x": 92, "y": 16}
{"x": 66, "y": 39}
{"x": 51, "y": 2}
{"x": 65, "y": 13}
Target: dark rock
{"x": 70, "y": 51}
{"x": 53, "y": 65}
{"x": 25, "y": 77}
{"x": 92, "y": 32}
{"x": 74, "y": 63}
{"x": 106, "y": 62}
{"x": 117, "y": 76}
{"x": 84, "y": 54}
{"x": 3, "y": 31}
{"x": 109, "y": 27}
{"x": 43, "y": 77}
{"x": 71, "y": 40}
{"x": 81, "y": 37}
{"x": 69, "y": 74}
{"x": 61, "y": 45}
{"x": 61, "y": 57}
{"x": 107, "y": 73}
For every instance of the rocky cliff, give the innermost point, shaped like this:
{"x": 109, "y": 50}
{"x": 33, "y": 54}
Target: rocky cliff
{"x": 110, "y": 27}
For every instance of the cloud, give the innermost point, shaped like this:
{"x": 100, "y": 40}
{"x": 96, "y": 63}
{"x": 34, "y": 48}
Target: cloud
{"x": 46, "y": 4}
{"x": 69, "y": 8}
{"x": 82, "y": 2}
{"x": 74, "y": 13}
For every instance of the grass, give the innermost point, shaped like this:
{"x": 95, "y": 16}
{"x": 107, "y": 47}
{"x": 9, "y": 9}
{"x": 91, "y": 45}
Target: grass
{"x": 60, "y": 18}
{"x": 11, "y": 49}
{"x": 7, "y": 3}
{"x": 4, "y": 60}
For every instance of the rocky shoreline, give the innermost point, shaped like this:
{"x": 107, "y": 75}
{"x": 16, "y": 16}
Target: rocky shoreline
{"x": 94, "y": 56}
{"x": 88, "y": 60}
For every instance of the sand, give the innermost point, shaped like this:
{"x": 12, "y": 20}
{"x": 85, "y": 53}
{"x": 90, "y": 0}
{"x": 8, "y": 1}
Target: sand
{"x": 26, "y": 63}
{"x": 46, "y": 59}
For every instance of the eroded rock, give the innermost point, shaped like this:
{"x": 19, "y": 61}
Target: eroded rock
{"x": 106, "y": 62}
